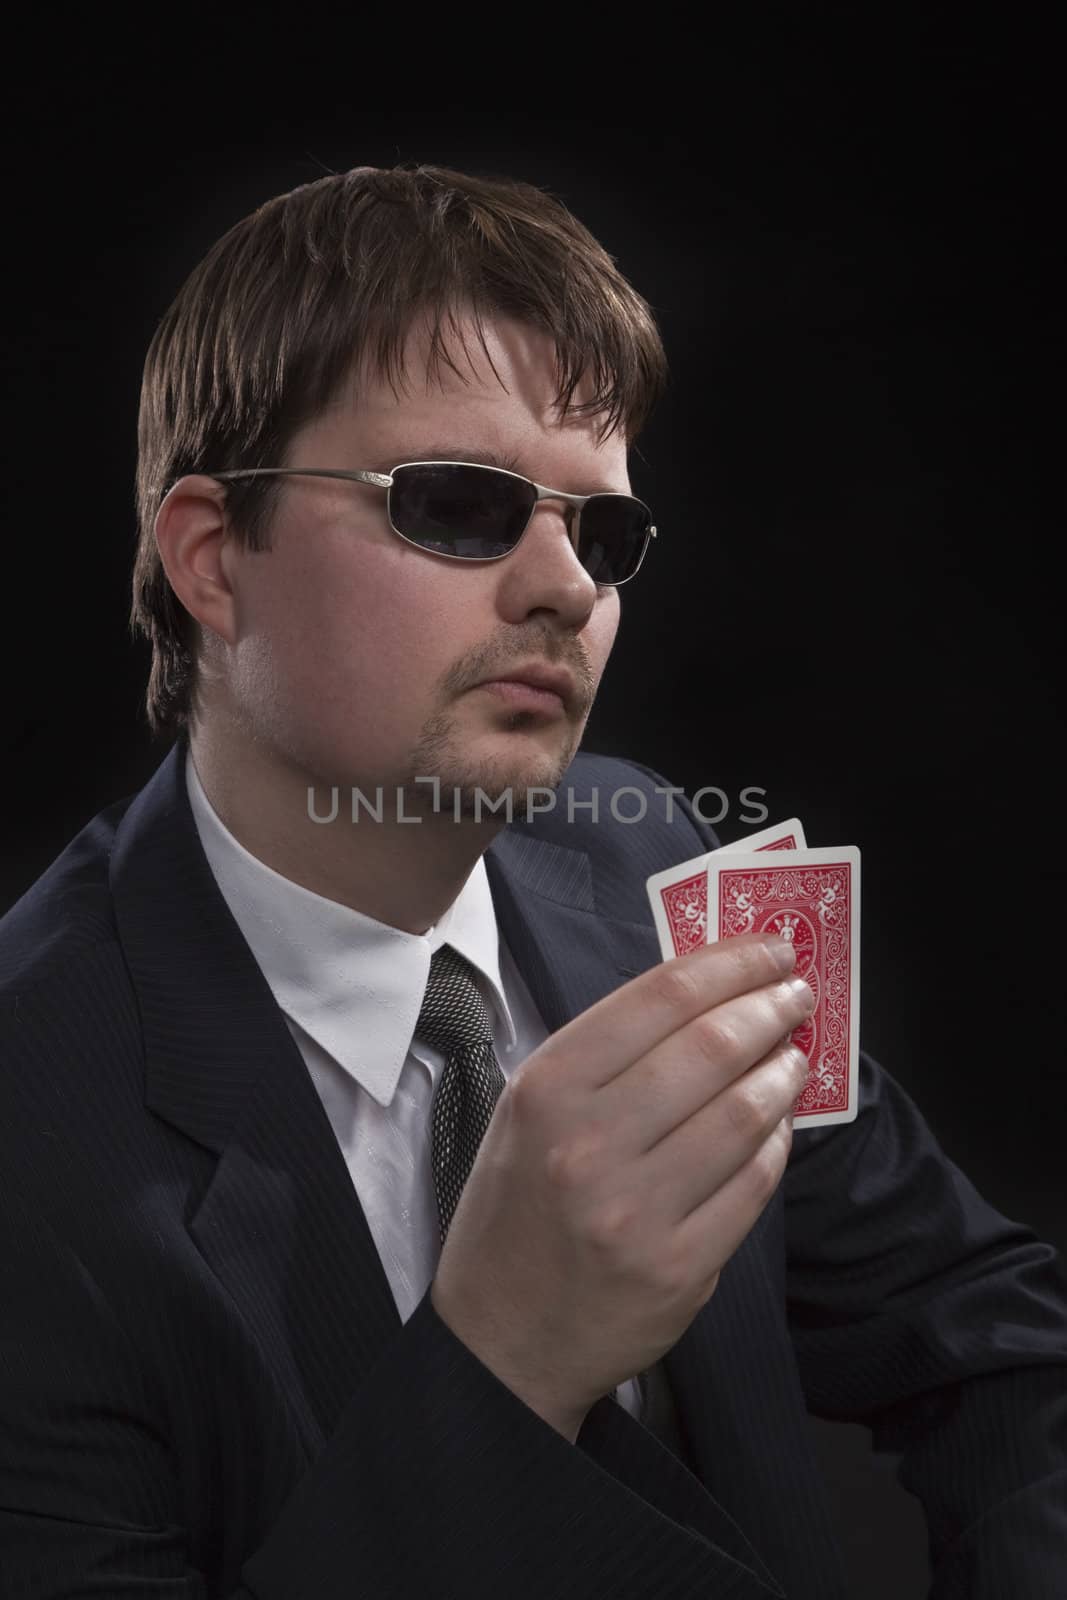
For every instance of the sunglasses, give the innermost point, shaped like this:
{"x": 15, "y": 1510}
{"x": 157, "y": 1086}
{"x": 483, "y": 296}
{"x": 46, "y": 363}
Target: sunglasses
{"x": 474, "y": 513}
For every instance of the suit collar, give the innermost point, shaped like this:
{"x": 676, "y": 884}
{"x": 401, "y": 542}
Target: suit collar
{"x": 353, "y": 984}
{"x": 210, "y": 1019}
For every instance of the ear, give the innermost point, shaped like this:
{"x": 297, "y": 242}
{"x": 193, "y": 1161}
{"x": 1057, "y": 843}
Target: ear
{"x": 196, "y": 547}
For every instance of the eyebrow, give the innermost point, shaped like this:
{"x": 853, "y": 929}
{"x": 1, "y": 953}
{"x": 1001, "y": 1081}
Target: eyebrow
{"x": 478, "y": 457}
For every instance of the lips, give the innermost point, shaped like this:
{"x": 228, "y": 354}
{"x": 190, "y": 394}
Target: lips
{"x": 555, "y": 679}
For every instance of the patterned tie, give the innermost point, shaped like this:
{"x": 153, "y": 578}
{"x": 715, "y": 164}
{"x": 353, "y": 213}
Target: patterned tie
{"x": 454, "y": 1020}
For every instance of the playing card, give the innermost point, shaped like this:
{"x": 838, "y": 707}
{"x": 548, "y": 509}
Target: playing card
{"x": 679, "y": 894}
{"x": 812, "y": 898}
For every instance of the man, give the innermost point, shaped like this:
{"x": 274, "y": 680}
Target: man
{"x": 381, "y": 1217}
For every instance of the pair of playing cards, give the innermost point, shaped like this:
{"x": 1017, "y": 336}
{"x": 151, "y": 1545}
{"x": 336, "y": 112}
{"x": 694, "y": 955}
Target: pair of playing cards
{"x": 811, "y": 898}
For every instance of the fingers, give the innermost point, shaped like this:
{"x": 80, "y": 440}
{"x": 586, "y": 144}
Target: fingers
{"x": 627, "y": 1024}
{"x": 682, "y": 1074}
{"x": 734, "y": 1151}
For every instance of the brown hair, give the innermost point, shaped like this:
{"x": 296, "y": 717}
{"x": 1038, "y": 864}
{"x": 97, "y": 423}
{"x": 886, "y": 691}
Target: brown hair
{"x": 268, "y": 327}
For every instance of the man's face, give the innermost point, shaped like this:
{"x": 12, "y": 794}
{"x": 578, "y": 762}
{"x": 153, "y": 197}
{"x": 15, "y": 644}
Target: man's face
{"x": 356, "y": 653}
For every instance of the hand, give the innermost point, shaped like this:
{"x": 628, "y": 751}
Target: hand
{"x": 626, "y": 1160}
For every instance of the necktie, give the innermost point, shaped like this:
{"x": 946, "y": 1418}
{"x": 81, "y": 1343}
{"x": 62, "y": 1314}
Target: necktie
{"x": 454, "y": 1020}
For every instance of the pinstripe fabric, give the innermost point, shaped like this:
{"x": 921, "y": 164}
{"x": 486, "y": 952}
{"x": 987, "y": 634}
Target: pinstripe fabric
{"x": 206, "y": 1390}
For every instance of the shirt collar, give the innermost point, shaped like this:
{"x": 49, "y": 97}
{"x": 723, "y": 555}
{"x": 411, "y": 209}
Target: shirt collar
{"x": 354, "y": 984}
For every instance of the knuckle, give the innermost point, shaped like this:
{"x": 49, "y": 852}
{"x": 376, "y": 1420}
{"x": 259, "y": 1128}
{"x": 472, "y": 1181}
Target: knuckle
{"x": 675, "y": 984}
{"x": 674, "y": 1271}
{"x": 571, "y": 1161}
{"x": 754, "y": 961}
{"x": 612, "y": 1224}
{"x": 799, "y": 1062}
{"x": 524, "y": 1097}
{"x": 749, "y": 1111}
{"x": 717, "y": 1038}
{"x": 769, "y": 1166}
{"x": 559, "y": 1168}
{"x": 759, "y": 958}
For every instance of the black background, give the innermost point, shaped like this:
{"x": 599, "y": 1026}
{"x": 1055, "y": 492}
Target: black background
{"x": 846, "y": 232}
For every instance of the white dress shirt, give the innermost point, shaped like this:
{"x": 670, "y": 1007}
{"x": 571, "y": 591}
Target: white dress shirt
{"x": 351, "y": 990}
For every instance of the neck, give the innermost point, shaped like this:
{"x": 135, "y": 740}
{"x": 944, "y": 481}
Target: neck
{"x": 403, "y": 873}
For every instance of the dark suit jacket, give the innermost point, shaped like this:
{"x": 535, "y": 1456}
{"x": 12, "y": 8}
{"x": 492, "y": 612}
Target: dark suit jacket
{"x": 205, "y": 1386}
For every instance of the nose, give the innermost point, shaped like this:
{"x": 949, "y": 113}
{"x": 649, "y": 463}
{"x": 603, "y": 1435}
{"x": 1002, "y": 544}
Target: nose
{"x": 544, "y": 572}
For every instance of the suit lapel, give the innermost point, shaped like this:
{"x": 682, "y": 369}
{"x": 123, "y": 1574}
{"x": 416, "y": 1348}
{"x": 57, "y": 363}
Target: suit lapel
{"x": 280, "y": 1222}
{"x": 571, "y": 956}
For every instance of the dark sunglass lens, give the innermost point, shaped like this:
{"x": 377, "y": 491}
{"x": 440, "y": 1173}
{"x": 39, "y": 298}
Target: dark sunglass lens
{"x": 614, "y": 532}
{"x": 460, "y": 510}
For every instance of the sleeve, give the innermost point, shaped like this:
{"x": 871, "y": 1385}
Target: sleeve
{"x": 917, "y": 1309}
{"x": 436, "y": 1480}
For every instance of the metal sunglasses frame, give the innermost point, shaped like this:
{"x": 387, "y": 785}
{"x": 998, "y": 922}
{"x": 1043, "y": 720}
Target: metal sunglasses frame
{"x": 384, "y": 480}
